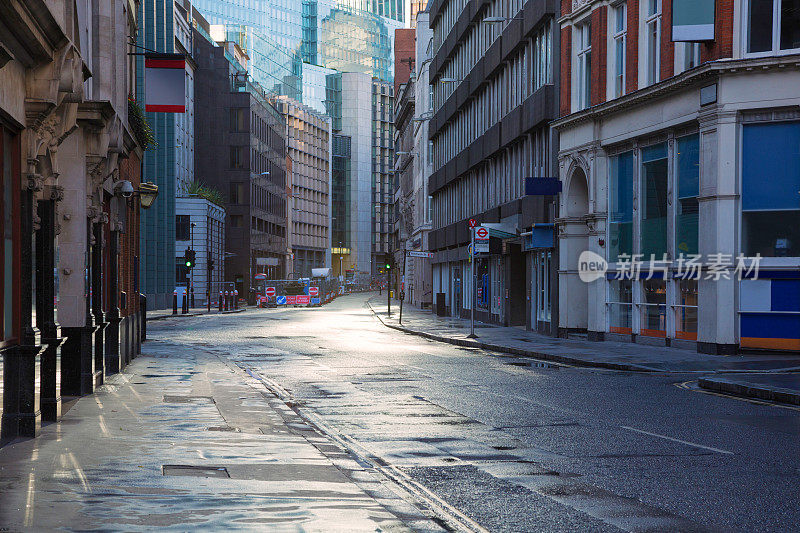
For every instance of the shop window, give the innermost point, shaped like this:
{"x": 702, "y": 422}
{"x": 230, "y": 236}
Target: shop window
{"x": 654, "y": 308}
{"x": 620, "y": 197}
{"x": 654, "y": 201}
{"x": 620, "y": 306}
{"x": 770, "y": 185}
{"x": 688, "y": 177}
{"x": 542, "y": 265}
{"x": 9, "y": 235}
{"x": 686, "y": 309}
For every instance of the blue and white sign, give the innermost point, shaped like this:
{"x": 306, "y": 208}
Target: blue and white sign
{"x": 281, "y": 300}
{"x": 314, "y": 301}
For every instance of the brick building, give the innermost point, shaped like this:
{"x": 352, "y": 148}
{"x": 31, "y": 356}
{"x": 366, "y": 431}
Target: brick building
{"x": 664, "y": 149}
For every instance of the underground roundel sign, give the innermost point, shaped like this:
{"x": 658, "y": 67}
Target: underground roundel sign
{"x": 481, "y": 233}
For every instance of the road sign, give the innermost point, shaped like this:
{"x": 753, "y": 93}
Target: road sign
{"x": 302, "y": 299}
{"x": 281, "y": 300}
{"x": 427, "y": 255}
{"x": 481, "y": 234}
{"x": 313, "y": 291}
{"x": 473, "y": 223}
{"x": 291, "y": 300}
{"x": 482, "y": 247}
{"x": 270, "y": 292}
{"x": 314, "y": 301}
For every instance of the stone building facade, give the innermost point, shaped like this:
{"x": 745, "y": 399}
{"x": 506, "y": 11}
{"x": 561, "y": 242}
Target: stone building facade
{"x": 678, "y": 151}
{"x": 309, "y": 151}
{"x": 70, "y": 297}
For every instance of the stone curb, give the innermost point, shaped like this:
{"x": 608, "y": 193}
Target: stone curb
{"x": 187, "y": 315}
{"x": 748, "y": 389}
{"x": 574, "y": 361}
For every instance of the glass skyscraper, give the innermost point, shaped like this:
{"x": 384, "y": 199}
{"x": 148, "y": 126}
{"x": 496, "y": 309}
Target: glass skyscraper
{"x": 295, "y": 44}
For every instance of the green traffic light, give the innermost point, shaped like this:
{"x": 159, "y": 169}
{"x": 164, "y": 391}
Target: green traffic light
{"x": 188, "y": 263}
{"x": 387, "y": 266}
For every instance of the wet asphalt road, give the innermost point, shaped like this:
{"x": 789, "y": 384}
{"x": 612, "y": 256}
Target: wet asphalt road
{"x": 520, "y": 448}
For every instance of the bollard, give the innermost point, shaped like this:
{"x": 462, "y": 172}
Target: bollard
{"x": 221, "y": 302}
{"x": 236, "y": 298}
{"x": 185, "y": 306}
{"x": 175, "y": 302}
{"x": 225, "y": 308}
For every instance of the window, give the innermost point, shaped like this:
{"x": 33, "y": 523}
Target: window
{"x": 688, "y": 210}
{"x": 542, "y": 268}
{"x": 654, "y": 309}
{"x": 620, "y": 306}
{"x": 691, "y": 55}
{"x": 239, "y": 119}
{"x": 653, "y": 36}
{"x": 237, "y": 193}
{"x": 620, "y": 199}
{"x": 237, "y": 157}
{"x": 182, "y": 227}
{"x": 654, "y": 201}
{"x": 584, "y": 51}
{"x": 620, "y": 29}
{"x": 686, "y": 309}
{"x": 9, "y": 235}
{"x": 770, "y": 185}
{"x": 236, "y": 221}
{"x": 772, "y": 26}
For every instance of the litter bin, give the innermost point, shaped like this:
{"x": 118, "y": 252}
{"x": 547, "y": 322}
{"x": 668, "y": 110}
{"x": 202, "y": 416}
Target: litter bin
{"x": 441, "y": 307}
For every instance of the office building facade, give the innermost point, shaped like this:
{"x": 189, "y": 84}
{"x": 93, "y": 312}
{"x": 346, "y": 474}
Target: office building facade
{"x": 494, "y": 92}
{"x": 309, "y": 153}
{"x": 664, "y": 156}
{"x": 243, "y": 156}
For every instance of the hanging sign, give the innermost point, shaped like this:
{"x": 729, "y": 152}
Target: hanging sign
{"x": 165, "y": 83}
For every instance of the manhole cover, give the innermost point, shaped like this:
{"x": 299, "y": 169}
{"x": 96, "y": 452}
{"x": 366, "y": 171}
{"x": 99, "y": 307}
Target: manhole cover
{"x": 225, "y": 428}
{"x": 196, "y": 471}
{"x": 188, "y": 399}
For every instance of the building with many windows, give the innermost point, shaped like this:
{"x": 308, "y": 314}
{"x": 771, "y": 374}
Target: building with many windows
{"x": 413, "y": 169}
{"x": 309, "y": 153}
{"x": 244, "y": 157}
{"x": 293, "y": 46}
{"x": 677, "y": 158}
{"x": 493, "y": 79}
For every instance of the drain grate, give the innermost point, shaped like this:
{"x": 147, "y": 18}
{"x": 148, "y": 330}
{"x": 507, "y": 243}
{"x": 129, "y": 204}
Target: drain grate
{"x": 195, "y": 471}
{"x": 188, "y": 399}
{"x": 224, "y": 428}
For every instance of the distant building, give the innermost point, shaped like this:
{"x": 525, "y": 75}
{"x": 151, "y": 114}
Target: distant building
{"x": 309, "y": 150}
{"x": 243, "y": 155}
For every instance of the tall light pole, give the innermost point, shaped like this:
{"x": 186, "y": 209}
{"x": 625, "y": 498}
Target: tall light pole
{"x": 191, "y": 271}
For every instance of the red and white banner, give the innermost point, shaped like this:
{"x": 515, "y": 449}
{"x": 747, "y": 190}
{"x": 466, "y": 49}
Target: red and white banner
{"x": 291, "y": 300}
{"x": 165, "y": 83}
{"x": 303, "y": 299}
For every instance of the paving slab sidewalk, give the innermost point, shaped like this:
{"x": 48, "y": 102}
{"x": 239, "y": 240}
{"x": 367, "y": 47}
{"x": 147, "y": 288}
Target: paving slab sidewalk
{"x": 162, "y": 314}
{"x": 183, "y": 439}
{"x": 608, "y": 354}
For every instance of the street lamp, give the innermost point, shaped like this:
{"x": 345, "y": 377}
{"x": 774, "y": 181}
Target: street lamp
{"x": 147, "y": 193}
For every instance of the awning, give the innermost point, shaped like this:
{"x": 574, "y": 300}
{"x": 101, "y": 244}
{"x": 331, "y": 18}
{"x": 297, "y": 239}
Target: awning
{"x": 501, "y": 230}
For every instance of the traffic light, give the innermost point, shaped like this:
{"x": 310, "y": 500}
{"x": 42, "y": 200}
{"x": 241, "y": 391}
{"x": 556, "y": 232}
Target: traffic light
{"x": 189, "y": 258}
{"x": 388, "y": 266}
{"x": 211, "y": 264}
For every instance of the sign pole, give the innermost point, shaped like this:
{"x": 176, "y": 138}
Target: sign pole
{"x": 403, "y": 286}
{"x": 474, "y": 286}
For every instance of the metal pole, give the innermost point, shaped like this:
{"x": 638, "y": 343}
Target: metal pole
{"x": 403, "y": 286}
{"x": 191, "y": 271}
{"x": 473, "y": 262}
{"x": 389, "y": 291}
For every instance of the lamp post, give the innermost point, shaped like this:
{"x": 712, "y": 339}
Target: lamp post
{"x": 191, "y": 270}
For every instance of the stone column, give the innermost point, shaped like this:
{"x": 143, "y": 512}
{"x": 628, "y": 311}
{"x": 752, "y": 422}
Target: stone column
{"x": 718, "y": 199}
{"x": 112, "y": 344}
{"x": 46, "y": 316}
{"x": 96, "y": 281}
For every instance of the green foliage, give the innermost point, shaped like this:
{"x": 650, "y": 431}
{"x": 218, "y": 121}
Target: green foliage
{"x": 197, "y": 188}
{"x": 141, "y": 128}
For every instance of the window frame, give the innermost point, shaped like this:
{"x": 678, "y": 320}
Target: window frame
{"x": 619, "y": 35}
{"x": 776, "y": 33}
{"x": 652, "y": 55}
{"x": 583, "y": 59}
{"x": 15, "y": 171}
